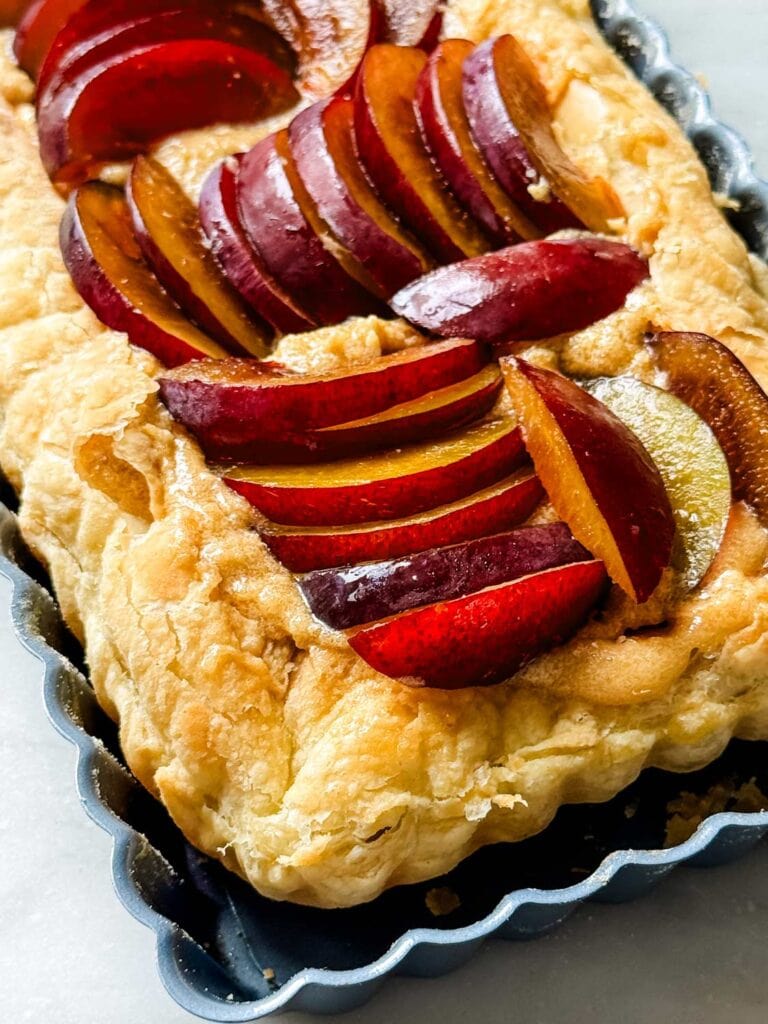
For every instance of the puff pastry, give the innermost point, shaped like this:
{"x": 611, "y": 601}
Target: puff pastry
{"x": 272, "y": 745}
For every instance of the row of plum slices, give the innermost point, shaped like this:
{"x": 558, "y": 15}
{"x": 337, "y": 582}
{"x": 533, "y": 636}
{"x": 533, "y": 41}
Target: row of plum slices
{"x": 113, "y": 78}
{"x": 346, "y": 211}
{"x": 419, "y": 553}
{"x": 397, "y": 491}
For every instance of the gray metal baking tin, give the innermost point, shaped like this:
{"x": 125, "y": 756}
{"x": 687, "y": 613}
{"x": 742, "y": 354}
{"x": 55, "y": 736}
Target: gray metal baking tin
{"x": 221, "y": 974}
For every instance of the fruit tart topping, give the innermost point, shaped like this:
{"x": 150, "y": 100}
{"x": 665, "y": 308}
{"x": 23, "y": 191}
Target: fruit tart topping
{"x": 599, "y": 477}
{"x": 491, "y": 510}
{"x": 484, "y": 638}
{"x": 390, "y": 486}
{"x": 39, "y": 25}
{"x": 712, "y": 380}
{"x": 511, "y": 121}
{"x": 446, "y": 131}
{"x": 98, "y": 31}
{"x": 396, "y": 159}
{"x": 220, "y": 219}
{"x": 323, "y": 145}
{"x": 355, "y": 595}
{"x": 237, "y": 406}
{"x": 283, "y": 225}
{"x": 535, "y": 290}
{"x": 118, "y": 107}
{"x": 168, "y": 230}
{"x": 691, "y": 463}
{"x": 107, "y": 268}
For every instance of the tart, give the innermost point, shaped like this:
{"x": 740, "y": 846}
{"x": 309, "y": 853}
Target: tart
{"x": 396, "y": 449}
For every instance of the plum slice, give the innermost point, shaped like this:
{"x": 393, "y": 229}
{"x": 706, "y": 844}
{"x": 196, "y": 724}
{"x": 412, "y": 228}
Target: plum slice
{"x": 39, "y": 25}
{"x": 380, "y": 487}
{"x": 599, "y": 477}
{"x": 485, "y": 512}
{"x": 106, "y": 266}
{"x": 717, "y": 385}
{"x": 691, "y": 463}
{"x": 512, "y": 124}
{"x": 534, "y": 290}
{"x": 396, "y": 159}
{"x": 483, "y": 638}
{"x": 170, "y": 235}
{"x": 236, "y": 256}
{"x": 98, "y": 31}
{"x": 418, "y": 420}
{"x": 323, "y": 145}
{"x": 282, "y": 223}
{"x": 357, "y": 594}
{"x": 445, "y": 127}
{"x": 116, "y": 109}
{"x": 239, "y": 403}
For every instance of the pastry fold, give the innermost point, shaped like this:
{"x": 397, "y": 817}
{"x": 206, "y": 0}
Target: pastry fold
{"x": 272, "y": 745}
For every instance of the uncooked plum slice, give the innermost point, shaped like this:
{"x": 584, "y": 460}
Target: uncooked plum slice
{"x": 116, "y": 109}
{"x": 691, "y": 463}
{"x": 445, "y": 127}
{"x": 397, "y": 161}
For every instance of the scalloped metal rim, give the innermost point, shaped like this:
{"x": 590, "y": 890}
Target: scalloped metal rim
{"x": 622, "y": 874}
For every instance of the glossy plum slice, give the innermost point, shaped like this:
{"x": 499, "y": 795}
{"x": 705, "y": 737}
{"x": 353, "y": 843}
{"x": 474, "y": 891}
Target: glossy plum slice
{"x": 390, "y": 145}
{"x": 483, "y": 638}
{"x": 169, "y": 233}
{"x": 99, "y": 31}
{"x": 489, "y": 511}
{"x": 717, "y": 385}
{"x": 283, "y": 225}
{"x": 240, "y": 403}
{"x": 236, "y": 256}
{"x": 108, "y": 270}
{"x": 381, "y": 487}
{"x": 599, "y": 477}
{"x": 323, "y": 145}
{"x": 117, "y": 109}
{"x": 38, "y": 26}
{"x": 445, "y": 128}
{"x": 357, "y": 594}
{"x": 534, "y": 290}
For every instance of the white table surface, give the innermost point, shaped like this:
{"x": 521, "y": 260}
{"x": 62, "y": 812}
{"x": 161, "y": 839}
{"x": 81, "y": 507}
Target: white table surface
{"x": 695, "y": 952}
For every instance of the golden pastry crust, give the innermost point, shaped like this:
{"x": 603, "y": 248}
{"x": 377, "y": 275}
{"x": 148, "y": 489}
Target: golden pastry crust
{"x": 273, "y": 746}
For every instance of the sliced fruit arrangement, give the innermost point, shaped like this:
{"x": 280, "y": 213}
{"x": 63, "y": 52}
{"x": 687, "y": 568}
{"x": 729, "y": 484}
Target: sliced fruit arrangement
{"x": 484, "y": 637}
{"x": 169, "y": 234}
{"x": 483, "y": 513}
{"x": 237, "y": 408}
{"x": 385, "y": 486}
{"x": 355, "y": 595}
{"x": 599, "y": 477}
{"x": 107, "y": 268}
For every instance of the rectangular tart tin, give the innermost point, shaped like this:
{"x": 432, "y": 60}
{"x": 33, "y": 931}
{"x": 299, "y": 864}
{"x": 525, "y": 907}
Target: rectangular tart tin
{"x": 227, "y": 954}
